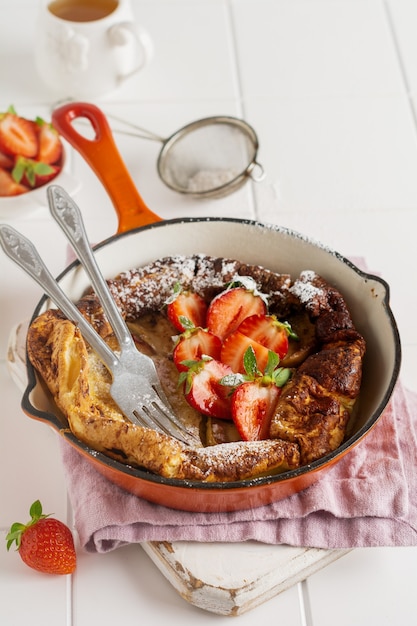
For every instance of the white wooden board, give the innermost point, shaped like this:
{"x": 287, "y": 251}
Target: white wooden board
{"x": 230, "y": 579}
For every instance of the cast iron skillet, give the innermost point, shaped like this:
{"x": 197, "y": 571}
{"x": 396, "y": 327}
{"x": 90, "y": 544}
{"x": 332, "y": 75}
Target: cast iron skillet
{"x": 143, "y": 237}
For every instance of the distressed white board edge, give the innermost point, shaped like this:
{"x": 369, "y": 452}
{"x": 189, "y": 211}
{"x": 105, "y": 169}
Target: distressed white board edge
{"x": 231, "y": 579}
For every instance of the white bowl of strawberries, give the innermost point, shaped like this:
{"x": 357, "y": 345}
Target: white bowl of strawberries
{"x": 32, "y": 155}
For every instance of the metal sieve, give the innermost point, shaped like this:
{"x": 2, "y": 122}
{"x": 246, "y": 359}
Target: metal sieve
{"x": 208, "y": 158}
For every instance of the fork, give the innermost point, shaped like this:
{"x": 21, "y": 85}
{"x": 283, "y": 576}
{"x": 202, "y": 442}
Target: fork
{"x": 135, "y": 386}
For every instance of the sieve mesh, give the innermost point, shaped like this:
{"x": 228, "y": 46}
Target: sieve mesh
{"x": 208, "y": 155}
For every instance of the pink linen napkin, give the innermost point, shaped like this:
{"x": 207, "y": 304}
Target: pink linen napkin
{"x": 369, "y": 498}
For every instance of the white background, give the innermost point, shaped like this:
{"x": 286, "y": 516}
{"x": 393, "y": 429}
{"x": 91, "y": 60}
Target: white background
{"x": 330, "y": 87}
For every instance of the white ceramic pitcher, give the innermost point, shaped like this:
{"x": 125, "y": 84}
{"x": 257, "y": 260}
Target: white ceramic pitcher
{"x": 87, "y": 48}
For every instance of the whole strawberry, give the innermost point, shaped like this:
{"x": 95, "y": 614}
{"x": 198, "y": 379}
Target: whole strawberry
{"x": 44, "y": 543}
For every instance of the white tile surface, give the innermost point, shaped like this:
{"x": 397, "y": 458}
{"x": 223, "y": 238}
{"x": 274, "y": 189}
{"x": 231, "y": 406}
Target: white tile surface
{"x": 35, "y": 470}
{"x": 330, "y": 87}
{"x": 145, "y": 595}
{"x": 193, "y": 56}
{"x": 367, "y": 148}
{"x": 337, "y": 48}
{"x": 402, "y": 16}
{"x": 27, "y": 595}
{"x": 387, "y": 575}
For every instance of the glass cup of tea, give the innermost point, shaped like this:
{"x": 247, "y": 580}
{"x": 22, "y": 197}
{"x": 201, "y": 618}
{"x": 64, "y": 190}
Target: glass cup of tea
{"x": 87, "y": 48}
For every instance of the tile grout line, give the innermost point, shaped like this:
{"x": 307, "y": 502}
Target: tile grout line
{"x": 70, "y": 600}
{"x": 403, "y": 71}
{"x": 236, "y": 68}
{"x": 239, "y": 89}
{"x": 305, "y": 606}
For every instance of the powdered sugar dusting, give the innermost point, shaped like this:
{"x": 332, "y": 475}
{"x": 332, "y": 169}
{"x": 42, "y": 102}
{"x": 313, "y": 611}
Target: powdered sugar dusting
{"x": 304, "y": 289}
{"x": 238, "y": 458}
{"x": 147, "y": 288}
{"x": 230, "y": 453}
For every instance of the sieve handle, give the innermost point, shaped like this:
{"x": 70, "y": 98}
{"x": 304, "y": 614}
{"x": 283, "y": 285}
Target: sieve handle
{"x": 102, "y": 155}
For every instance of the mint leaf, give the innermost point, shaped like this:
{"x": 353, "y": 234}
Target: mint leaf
{"x": 272, "y": 363}
{"x": 42, "y": 169}
{"x": 19, "y": 170}
{"x": 249, "y": 362}
{"x": 281, "y": 376}
{"x": 175, "y": 293}
{"x": 186, "y": 322}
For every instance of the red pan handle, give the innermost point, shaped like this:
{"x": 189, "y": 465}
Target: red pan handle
{"x": 102, "y": 155}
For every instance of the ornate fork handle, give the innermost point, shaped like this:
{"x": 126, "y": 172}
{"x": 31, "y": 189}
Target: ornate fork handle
{"x": 68, "y": 216}
{"x": 23, "y": 253}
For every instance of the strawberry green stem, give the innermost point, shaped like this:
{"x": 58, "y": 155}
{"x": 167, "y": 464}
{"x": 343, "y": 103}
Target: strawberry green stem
{"x": 17, "y": 529}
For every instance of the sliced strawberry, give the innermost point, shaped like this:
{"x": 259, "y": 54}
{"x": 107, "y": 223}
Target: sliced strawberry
{"x": 50, "y": 145}
{"x": 193, "y": 345}
{"x": 229, "y": 308}
{"x": 255, "y": 394}
{"x": 6, "y": 162}
{"x": 186, "y": 309}
{"x": 268, "y": 331}
{"x": 253, "y": 405}
{"x": 8, "y": 187}
{"x": 17, "y": 136}
{"x": 203, "y": 390}
{"x": 234, "y": 349}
